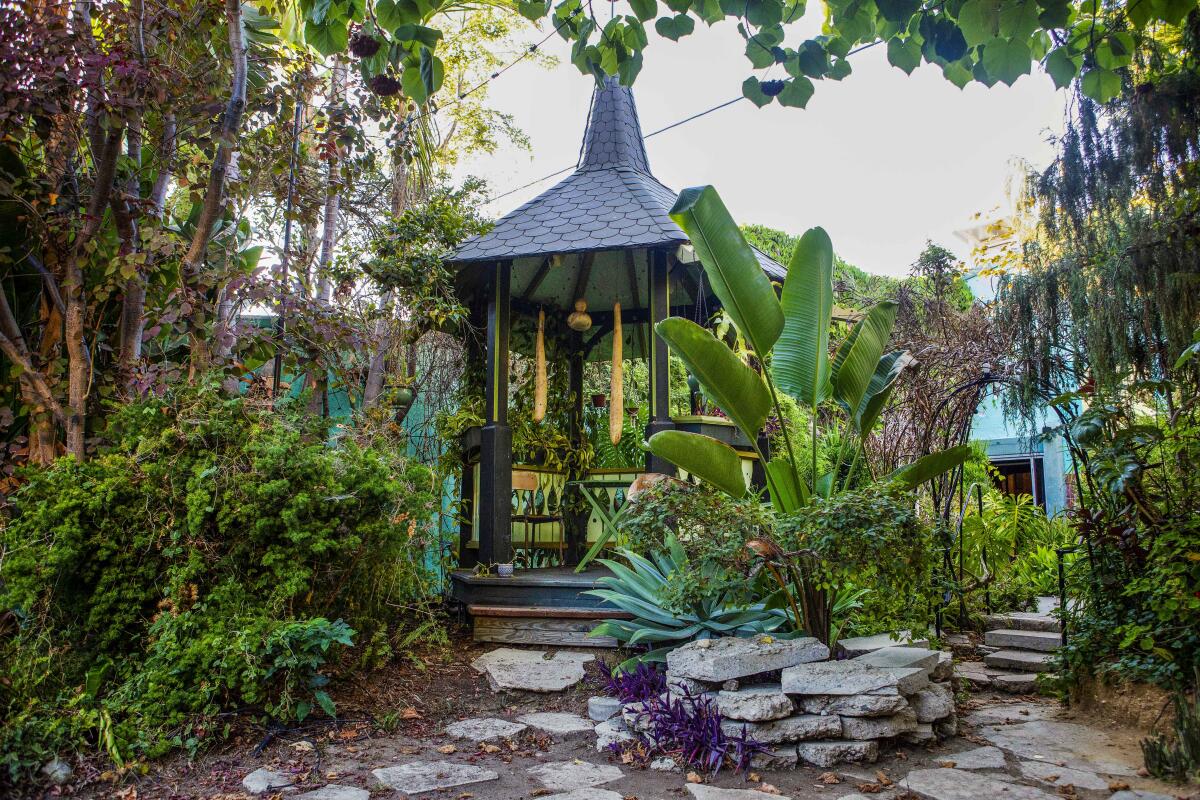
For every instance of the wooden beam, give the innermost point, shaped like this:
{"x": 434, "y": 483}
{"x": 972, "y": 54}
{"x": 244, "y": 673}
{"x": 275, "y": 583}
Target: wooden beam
{"x": 538, "y": 277}
{"x": 631, "y": 271}
{"x": 581, "y": 279}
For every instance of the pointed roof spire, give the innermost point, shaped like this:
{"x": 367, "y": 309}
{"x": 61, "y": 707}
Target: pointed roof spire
{"x": 613, "y": 138}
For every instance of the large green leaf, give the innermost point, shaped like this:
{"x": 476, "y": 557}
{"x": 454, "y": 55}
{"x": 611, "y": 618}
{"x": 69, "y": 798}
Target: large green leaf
{"x": 930, "y": 466}
{"x": 737, "y": 389}
{"x": 737, "y": 278}
{"x": 704, "y": 457}
{"x": 788, "y": 492}
{"x": 859, "y": 355}
{"x": 801, "y": 360}
{"x": 880, "y": 389}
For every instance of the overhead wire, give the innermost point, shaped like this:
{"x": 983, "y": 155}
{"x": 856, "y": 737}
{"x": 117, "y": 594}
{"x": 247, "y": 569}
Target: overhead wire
{"x": 654, "y": 133}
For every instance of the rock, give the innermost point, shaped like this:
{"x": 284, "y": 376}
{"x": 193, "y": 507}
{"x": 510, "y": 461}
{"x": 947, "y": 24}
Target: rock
{"x": 1074, "y": 745}
{"x": 932, "y": 703}
{"x": 730, "y": 685}
{"x": 702, "y": 791}
{"x": 1139, "y": 794}
{"x": 264, "y": 780}
{"x": 1020, "y": 660}
{"x": 335, "y": 791}
{"x": 1063, "y": 776}
{"x": 426, "y": 776}
{"x": 792, "y": 729}
{"x": 586, "y": 794}
{"x": 57, "y": 771}
{"x": 979, "y": 758}
{"x": 601, "y": 708}
{"x": 944, "y": 670}
{"x": 922, "y": 735}
{"x": 851, "y": 677}
{"x": 955, "y": 784}
{"x": 664, "y": 764}
{"x": 557, "y": 724}
{"x": 828, "y": 754}
{"x": 636, "y": 716}
{"x": 611, "y": 732}
{"x": 563, "y": 776}
{"x": 1043, "y": 641}
{"x": 1015, "y": 683}
{"x": 860, "y": 645}
{"x": 975, "y": 673}
{"x": 682, "y": 686}
{"x": 901, "y": 658}
{"x": 879, "y": 727}
{"x": 757, "y": 703}
{"x": 483, "y": 729}
{"x": 784, "y": 757}
{"x": 508, "y": 669}
{"x": 855, "y": 705}
{"x": 946, "y": 728}
{"x": 718, "y": 660}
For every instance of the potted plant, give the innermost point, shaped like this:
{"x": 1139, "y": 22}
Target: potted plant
{"x": 599, "y": 400}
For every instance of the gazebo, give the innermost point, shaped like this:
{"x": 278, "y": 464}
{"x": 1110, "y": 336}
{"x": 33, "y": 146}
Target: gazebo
{"x": 603, "y": 236}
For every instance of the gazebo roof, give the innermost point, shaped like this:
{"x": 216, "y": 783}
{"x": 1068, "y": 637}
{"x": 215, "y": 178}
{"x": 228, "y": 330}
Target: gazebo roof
{"x": 610, "y": 202}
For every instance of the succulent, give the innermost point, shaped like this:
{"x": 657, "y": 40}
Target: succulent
{"x": 637, "y": 589}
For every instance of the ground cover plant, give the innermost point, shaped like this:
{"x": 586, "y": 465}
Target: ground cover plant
{"x": 217, "y": 556}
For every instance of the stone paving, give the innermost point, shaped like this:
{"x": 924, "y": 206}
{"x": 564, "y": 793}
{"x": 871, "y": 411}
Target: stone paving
{"x": 1028, "y": 749}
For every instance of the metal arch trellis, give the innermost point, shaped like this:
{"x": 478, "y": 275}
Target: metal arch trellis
{"x": 946, "y": 488}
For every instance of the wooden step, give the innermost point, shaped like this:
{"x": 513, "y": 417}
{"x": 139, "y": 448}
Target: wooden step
{"x": 1020, "y": 661}
{"x": 559, "y": 627}
{"x": 1021, "y": 621}
{"x": 1012, "y": 639}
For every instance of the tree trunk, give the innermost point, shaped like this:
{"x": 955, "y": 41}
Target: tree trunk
{"x": 193, "y": 262}
{"x": 383, "y": 340}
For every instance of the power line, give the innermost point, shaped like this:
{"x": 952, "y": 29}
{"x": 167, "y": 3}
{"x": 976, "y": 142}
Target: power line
{"x": 663, "y": 129}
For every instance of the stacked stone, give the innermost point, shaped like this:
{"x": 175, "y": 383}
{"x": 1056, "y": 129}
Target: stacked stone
{"x": 805, "y": 708}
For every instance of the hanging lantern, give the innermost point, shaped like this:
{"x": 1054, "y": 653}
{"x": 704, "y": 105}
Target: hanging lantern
{"x": 579, "y": 319}
{"x": 539, "y": 375}
{"x": 616, "y": 405}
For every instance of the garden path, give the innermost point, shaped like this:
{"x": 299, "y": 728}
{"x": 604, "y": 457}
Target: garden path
{"x": 1016, "y": 748}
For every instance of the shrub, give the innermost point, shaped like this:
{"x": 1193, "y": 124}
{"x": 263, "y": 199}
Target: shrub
{"x": 215, "y": 556}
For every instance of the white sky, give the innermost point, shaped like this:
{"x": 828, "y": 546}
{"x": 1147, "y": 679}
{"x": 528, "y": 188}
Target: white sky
{"x": 881, "y": 160}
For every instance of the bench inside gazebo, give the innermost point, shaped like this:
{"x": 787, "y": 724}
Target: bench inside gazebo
{"x": 602, "y": 237}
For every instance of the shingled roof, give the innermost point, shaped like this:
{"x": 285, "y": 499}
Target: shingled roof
{"x": 610, "y": 202}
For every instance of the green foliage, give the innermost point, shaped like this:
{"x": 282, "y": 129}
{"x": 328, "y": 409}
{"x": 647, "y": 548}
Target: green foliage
{"x": 870, "y": 537}
{"x": 195, "y": 567}
{"x": 410, "y": 254}
{"x": 1177, "y": 758}
{"x": 642, "y": 587}
{"x": 709, "y": 526}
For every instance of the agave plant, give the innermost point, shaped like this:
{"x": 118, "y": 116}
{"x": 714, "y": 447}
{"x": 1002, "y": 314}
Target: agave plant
{"x": 790, "y": 333}
{"x": 637, "y": 589}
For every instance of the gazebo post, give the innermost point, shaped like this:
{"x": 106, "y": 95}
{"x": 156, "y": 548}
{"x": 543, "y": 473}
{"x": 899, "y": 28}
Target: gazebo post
{"x": 660, "y": 386}
{"x": 575, "y": 526}
{"x": 495, "y": 441}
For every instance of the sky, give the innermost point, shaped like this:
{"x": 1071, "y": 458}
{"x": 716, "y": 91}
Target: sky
{"x": 881, "y": 160}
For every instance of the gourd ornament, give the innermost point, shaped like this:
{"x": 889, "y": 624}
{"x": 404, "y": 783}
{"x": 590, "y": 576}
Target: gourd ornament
{"x": 539, "y": 374}
{"x": 616, "y": 403}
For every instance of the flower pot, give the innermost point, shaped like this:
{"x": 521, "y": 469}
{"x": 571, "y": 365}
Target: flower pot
{"x": 504, "y": 570}
{"x": 599, "y": 400}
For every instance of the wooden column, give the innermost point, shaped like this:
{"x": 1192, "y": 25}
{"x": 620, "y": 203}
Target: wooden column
{"x": 660, "y": 388}
{"x": 475, "y": 359}
{"x": 575, "y": 523}
{"x": 495, "y": 444}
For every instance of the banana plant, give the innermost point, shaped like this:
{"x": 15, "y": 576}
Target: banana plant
{"x": 790, "y": 333}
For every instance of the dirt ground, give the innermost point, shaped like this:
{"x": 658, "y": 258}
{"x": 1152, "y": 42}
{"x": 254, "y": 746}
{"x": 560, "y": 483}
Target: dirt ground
{"x": 397, "y": 715}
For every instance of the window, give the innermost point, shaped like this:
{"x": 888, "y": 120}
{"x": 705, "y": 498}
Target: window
{"x": 1022, "y": 475}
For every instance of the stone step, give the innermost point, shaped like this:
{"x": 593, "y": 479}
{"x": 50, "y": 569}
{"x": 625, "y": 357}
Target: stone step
{"x": 1020, "y": 661}
{"x": 1012, "y": 639}
{"x": 1021, "y": 621}
{"x": 1015, "y": 682}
